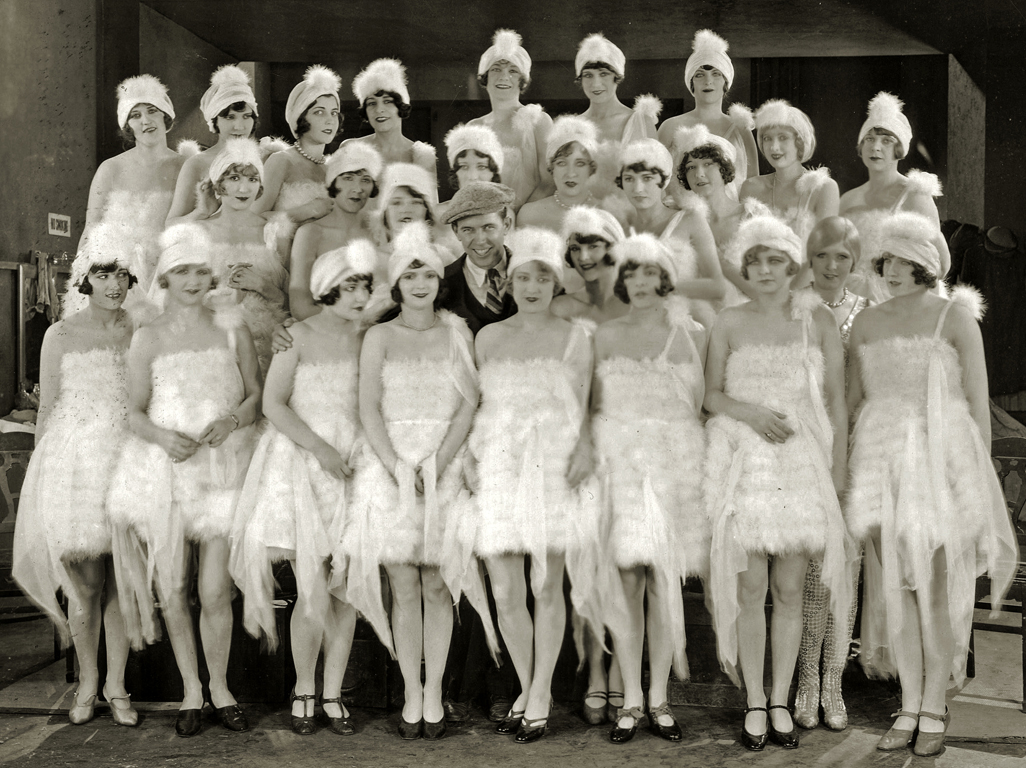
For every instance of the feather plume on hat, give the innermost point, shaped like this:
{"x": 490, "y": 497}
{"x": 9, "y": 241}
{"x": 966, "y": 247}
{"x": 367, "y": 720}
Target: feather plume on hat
{"x": 318, "y": 81}
{"x": 228, "y": 85}
{"x": 887, "y": 111}
{"x": 507, "y": 45}
{"x": 334, "y": 267}
{"x": 709, "y": 49}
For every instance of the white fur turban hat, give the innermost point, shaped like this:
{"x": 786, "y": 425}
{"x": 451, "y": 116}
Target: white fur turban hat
{"x": 909, "y": 236}
{"x": 413, "y": 243}
{"x": 142, "y": 89}
{"x": 353, "y": 156}
{"x": 585, "y": 220}
{"x": 381, "y": 75}
{"x": 536, "y": 244}
{"x": 479, "y": 138}
{"x": 777, "y": 112}
{"x": 414, "y": 177}
{"x": 709, "y": 49}
{"x": 596, "y": 48}
{"x": 318, "y": 81}
{"x": 333, "y": 267}
{"x": 691, "y": 137}
{"x": 768, "y": 231}
{"x": 650, "y": 152}
{"x": 183, "y": 244}
{"x": 506, "y": 46}
{"x": 568, "y": 128}
{"x": 228, "y": 85}
{"x": 236, "y": 152}
{"x": 645, "y": 248}
{"x": 885, "y": 111}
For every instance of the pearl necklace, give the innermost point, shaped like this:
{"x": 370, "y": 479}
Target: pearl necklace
{"x": 566, "y": 207}
{"x": 835, "y": 305}
{"x": 415, "y": 328}
{"x": 314, "y": 160}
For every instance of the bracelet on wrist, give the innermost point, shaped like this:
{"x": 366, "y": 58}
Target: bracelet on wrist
{"x": 234, "y": 418}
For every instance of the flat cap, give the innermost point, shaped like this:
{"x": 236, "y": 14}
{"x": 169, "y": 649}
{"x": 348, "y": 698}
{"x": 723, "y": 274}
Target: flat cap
{"x": 478, "y": 197}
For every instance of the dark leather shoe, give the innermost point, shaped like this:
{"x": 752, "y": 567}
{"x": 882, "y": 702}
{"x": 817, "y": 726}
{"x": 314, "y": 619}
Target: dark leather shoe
{"x": 343, "y": 726}
{"x": 188, "y": 722}
{"x": 456, "y": 712}
{"x": 410, "y": 730}
{"x": 498, "y": 708}
{"x": 754, "y": 742}
{"x": 622, "y": 735}
{"x": 788, "y": 739}
{"x": 434, "y": 730}
{"x": 232, "y": 718}
{"x": 670, "y": 732}
{"x": 531, "y": 730}
{"x": 510, "y": 723}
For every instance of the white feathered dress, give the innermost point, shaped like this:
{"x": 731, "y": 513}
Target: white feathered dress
{"x": 389, "y": 522}
{"x": 164, "y": 504}
{"x": 773, "y": 498}
{"x": 524, "y": 434}
{"x": 290, "y": 508}
{"x": 62, "y": 513}
{"x": 922, "y": 483}
{"x": 650, "y": 446}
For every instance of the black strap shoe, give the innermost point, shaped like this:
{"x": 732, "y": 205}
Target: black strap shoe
{"x": 754, "y": 742}
{"x": 789, "y": 739}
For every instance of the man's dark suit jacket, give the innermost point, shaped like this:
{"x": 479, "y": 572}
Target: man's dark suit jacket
{"x": 461, "y": 300}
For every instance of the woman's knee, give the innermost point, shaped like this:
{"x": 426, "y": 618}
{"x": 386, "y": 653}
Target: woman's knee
{"x": 634, "y": 583}
{"x": 215, "y": 591}
{"x": 405, "y": 584}
{"x": 752, "y": 589}
{"x": 434, "y": 590}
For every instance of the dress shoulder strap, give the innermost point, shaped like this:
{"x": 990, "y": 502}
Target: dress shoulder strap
{"x": 940, "y": 320}
{"x": 580, "y": 332}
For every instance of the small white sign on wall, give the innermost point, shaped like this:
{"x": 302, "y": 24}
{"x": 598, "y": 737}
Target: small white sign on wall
{"x": 58, "y": 224}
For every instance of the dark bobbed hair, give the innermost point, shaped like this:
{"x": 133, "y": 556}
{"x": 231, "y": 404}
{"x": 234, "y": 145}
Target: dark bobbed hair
{"x": 404, "y": 108}
{"x": 900, "y": 150}
{"x": 710, "y": 68}
{"x": 238, "y": 106}
{"x": 454, "y": 180}
{"x": 706, "y": 152}
{"x": 920, "y": 274}
{"x": 755, "y": 250}
{"x": 303, "y": 125}
{"x": 607, "y": 260}
{"x": 428, "y": 218}
{"x": 86, "y": 288}
{"x": 482, "y": 79}
{"x": 599, "y": 65}
{"x": 567, "y": 149}
{"x": 335, "y": 293}
{"x": 641, "y": 168}
{"x": 620, "y": 289}
{"x": 128, "y": 137}
{"x": 333, "y": 190}
{"x": 443, "y": 290}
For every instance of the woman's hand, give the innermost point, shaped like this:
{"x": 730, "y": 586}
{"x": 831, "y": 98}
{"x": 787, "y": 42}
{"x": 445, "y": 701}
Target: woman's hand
{"x": 176, "y": 445}
{"x": 217, "y": 431}
{"x": 333, "y": 463}
{"x": 242, "y": 277}
{"x": 418, "y": 478}
{"x": 582, "y": 463}
{"x": 281, "y": 339}
{"x": 768, "y": 424}
{"x": 206, "y": 201}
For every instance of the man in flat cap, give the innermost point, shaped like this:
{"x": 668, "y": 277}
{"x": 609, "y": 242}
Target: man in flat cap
{"x": 476, "y": 281}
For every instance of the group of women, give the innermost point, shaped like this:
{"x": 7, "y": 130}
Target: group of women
{"x": 644, "y": 408}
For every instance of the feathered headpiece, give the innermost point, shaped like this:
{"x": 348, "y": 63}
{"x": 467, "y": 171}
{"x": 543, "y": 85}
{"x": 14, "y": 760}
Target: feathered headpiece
{"x": 584, "y": 220}
{"x": 142, "y": 89}
{"x": 645, "y": 248}
{"x": 236, "y": 152}
{"x": 596, "y": 49}
{"x": 387, "y": 75}
{"x": 408, "y": 175}
{"x": 777, "y": 112}
{"x": 536, "y": 244}
{"x": 228, "y": 85}
{"x": 353, "y": 156}
{"x": 768, "y": 231}
{"x": 108, "y": 243}
{"x": 690, "y": 137}
{"x": 186, "y": 243}
{"x": 318, "y": 81}
{"x": 649, "y": 152}
{"x": 910, "y": 236}
{"x": 334, "y": 267}
{"x": 479, "y": 138}
{"x": 570, "y": 128}
{"x": 709, "y": 49}
{"x": 413, "y": 243}
{"x": 885, "y": 111}
{"x": 648, "y": 105}
{"x": 507, "y": 45}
